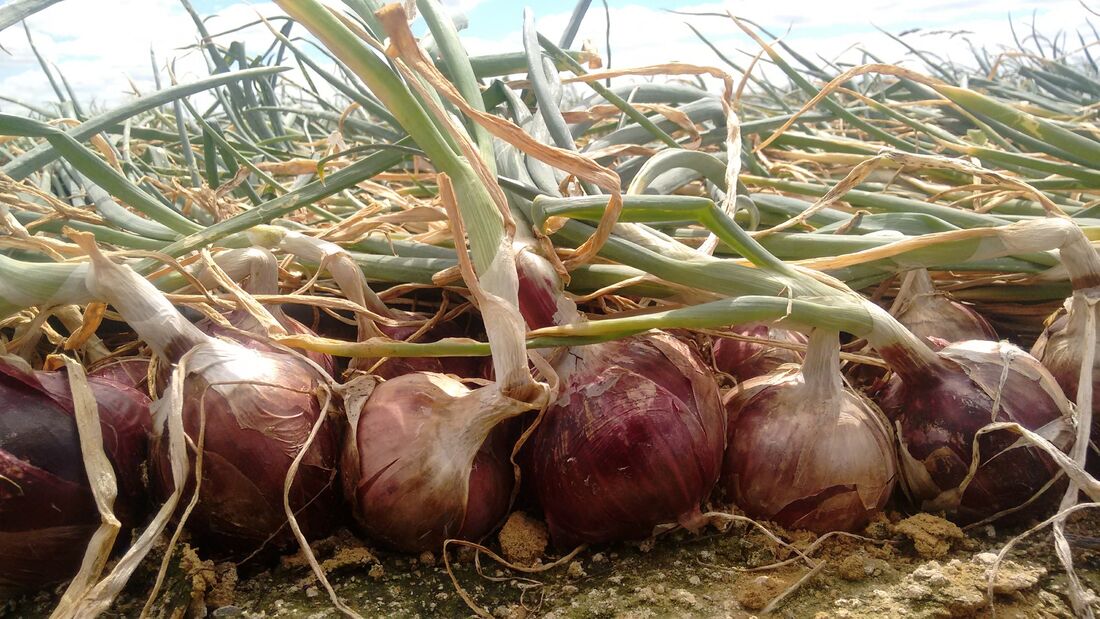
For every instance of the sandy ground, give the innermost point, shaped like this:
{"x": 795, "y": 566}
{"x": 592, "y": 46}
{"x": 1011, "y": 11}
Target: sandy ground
{"x": 919, "y": 566}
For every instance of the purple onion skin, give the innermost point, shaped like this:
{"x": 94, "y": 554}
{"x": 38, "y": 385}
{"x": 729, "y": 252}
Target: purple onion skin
{"x": 251, "y": 438}
{"x": 744, "y": 360}
{"x": 803, "y": 466}
{"x": 635, "y": 440}
{"x": 491, "y": 481}
{"x": 938, "y": 414}
{"x": 47, "y": 512}
{"x": 396, "y": 510}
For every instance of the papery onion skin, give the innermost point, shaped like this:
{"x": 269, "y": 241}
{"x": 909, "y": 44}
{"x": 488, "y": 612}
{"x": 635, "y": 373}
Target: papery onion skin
{"x": 411, "y": 475}
{"x": 259, "y": 409}
{"x": 805, "y": 461}
{"x": 635, "y": 440}
{"x": 938, "y": 414}
{"x": 248, "y": 413}
{"x": 1060, "y": 349}
{"x": 744, "y": 360}
{"x": 47, "y": 512}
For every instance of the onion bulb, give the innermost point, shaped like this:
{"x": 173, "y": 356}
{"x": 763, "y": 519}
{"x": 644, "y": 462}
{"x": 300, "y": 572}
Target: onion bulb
{"x": 427, "y": 460}
{"x": 805, "y": 451}
{"x": 254, "y": 409}
{"x": 744, "y": 360}
{"x": 635, "y": 438}
{"x": 939, "y": 405}
{"x": 934, "y": 316}
{"x": 47, "y": 511}
{"x": 258, "y": 408}
{"x": 634, "y": 441}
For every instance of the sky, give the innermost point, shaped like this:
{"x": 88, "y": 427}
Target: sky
{"x": 103, "y": 47}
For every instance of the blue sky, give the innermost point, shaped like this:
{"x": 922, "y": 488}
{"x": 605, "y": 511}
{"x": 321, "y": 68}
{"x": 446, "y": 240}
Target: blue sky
{"x": 102, "y": 47}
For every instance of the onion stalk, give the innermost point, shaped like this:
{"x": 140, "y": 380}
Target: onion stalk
{"x": 426, "y": 479}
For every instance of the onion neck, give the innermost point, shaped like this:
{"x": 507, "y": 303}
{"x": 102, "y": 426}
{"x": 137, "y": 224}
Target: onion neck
{"x": 141, "y": 305}
{"x": 904, "y": 352}
{"x": 1080, "y": 259}
{"x": 1075, "y": 252}
{"x": 821, "y": 368}
{"x": 26, "y": 284}
{"x": 542, "y": 299}
{"x": 339, "y": 263}
{"x": 263, "y": 271}
{"x": 915, "y": 284}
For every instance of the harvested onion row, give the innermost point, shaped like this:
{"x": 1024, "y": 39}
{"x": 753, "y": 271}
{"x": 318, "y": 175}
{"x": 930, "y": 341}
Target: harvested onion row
{"x": 628, "y": 435}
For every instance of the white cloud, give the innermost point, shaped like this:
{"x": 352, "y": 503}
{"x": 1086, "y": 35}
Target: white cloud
{"x": 641, "y": 36}
{"x": 461, "y": 6}
{"x": 97, "y": 44}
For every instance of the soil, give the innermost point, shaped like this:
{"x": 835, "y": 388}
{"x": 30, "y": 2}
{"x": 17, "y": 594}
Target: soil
{"x": 920, "y": 566}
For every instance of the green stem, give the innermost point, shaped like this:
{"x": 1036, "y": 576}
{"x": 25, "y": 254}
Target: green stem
{"x": 484, "y": 222}
{"x": 84, "y": 160}
{"x": 278, "y": 207}
{"x": 631, "y": 112}
{"x": 803, "y": 315}
{"x": 654, "y": 209}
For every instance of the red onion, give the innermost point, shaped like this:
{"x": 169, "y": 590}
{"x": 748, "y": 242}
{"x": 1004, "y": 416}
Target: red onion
{"x": 427, "y": 458}
{"x": 636, "y": 435}
{"x": 424, "y": 463}
{"x": 939, "y": 404}
{"x": 634, "y": 440}
{"x": 935, "y": 316}
{"x": 47, "y": 512}
{"x": 744, "y": 360}
{"x": 259, "y": 407}
{"x": 805, "y": 451}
